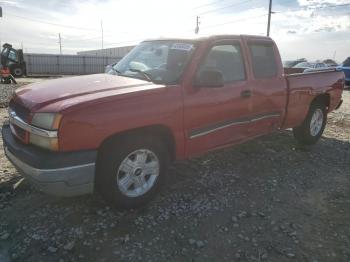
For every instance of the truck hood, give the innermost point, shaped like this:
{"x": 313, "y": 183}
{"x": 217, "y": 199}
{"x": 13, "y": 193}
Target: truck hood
{"x": 38, "y": 95}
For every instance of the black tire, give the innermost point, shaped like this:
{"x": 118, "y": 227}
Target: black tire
{"x": 347, "y": 84}
{"x": 6, "y": 81}
{"x": 17, "y": 72}
{"x": 110, "y": 160}
{"x": 303, "y": 133}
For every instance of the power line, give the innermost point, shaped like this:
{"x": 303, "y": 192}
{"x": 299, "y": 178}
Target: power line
{"x": 212, "y": 3}
{"x": 224, "y": 7}
{"x": 50, "y": 23}
{"x": 209, "y": 26}
{"x": 130, "y": 41}
{"x": 234, "y": 21}
{"x": 209, "y": 4}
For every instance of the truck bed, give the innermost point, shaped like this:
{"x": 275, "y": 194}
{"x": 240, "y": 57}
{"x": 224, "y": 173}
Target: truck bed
{"x": 303, "y": 87}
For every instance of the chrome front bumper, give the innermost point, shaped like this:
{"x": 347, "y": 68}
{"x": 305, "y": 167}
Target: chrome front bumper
{"x": 68, "y": 181}
{"x": 60, "y": 174}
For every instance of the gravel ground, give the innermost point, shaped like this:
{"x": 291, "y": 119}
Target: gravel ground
{"x": 266, "y": 200}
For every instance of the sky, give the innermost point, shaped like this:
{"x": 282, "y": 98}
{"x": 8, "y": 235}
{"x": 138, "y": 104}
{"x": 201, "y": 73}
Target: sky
{"x": 314, "y": 29}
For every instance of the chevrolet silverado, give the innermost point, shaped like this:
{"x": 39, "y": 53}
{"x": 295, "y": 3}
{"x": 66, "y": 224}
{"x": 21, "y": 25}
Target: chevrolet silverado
{"x": 168, "y": 99}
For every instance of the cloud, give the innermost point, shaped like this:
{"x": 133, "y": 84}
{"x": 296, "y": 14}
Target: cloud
{"x": 316, "y": 46}
{"x": 309, "y": 21}
{"x": 319, "y": 3}
{"x": 128, "y": 22}
{"x": 9, "y": 2}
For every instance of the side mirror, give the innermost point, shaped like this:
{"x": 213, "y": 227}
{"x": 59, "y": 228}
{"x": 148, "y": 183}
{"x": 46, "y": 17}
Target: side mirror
{"x": 209, "y": 78}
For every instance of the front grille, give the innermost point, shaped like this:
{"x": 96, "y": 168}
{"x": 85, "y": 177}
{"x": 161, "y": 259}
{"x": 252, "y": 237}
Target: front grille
{"x": 19, "y": 132}
{"x": 21, "y": 111}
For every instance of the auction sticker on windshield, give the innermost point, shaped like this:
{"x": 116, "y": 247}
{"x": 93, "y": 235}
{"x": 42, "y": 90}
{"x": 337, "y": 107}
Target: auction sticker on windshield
{"x": 182, "y": 46}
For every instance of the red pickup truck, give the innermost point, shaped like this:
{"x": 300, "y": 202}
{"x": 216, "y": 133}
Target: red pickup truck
{"x": 168, "y": 99}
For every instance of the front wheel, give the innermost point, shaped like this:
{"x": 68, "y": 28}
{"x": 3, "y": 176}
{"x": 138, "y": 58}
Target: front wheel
{"x": 311, "y": 130}
{"x": 130, "y": 172}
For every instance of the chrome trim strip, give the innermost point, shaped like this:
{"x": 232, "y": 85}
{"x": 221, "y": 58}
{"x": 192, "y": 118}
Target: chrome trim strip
{"x": 264, "y": 117}
{"x": 14, "y": 119}
{"x": 234, "y": 123}
{"x": 219, "y": 128}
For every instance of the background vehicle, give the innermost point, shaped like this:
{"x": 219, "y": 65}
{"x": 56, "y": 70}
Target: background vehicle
{"x": 330, "y": 62}
{"x": 291, "y": 63}
{"x": 13, "y": 59}
{"x": 316, "y": 66}
{"x": 306, "y": 67}
{"x": 346, "y": 69}
{"x": 167, "y": 99}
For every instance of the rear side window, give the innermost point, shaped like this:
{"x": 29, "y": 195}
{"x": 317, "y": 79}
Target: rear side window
{"x": 263, "y": 58}
{"x": 226, "y": 59}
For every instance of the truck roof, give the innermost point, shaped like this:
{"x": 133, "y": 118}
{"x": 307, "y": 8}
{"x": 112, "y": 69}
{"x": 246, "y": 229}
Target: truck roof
{"x": 209, "y": 37}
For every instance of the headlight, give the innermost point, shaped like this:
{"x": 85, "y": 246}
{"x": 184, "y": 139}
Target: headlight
{"x": 49, "y": 121}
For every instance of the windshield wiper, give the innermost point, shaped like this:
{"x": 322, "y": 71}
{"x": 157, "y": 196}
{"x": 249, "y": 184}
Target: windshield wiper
{"x": 116, "y": 70}
{"x": 147, "y": 76}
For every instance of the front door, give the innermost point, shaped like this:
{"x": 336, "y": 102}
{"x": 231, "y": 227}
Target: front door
{"x": 217, "y": 116}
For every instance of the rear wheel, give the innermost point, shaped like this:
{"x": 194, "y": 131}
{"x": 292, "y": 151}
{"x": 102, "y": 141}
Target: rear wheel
{"x": 130, "y": 172}
{"x": 310, "y": 131}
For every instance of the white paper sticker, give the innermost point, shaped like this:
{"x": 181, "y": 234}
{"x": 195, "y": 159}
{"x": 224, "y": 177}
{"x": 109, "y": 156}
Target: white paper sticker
{"x": 182, "y": 46}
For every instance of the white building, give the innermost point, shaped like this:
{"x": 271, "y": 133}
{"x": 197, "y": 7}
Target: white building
{"x": 108, "y": 52}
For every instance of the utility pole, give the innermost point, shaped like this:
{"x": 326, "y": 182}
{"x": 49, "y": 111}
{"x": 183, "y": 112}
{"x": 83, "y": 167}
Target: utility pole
{"x": 60, "y": 42}
{"x": 269, "y": 19}
{"x": 0, "y": 30}
{"x": 196, "y": 30}
{"x": 101, "y": 35}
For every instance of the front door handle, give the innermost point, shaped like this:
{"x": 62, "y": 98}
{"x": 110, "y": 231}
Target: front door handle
{"x": 246, "y": 93}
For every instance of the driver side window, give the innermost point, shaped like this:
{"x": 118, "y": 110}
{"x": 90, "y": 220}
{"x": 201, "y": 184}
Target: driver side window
{"x": 226, "y": 59}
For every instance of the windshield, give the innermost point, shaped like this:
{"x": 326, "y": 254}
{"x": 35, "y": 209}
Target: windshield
{"x": 157, "y": 61}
